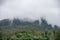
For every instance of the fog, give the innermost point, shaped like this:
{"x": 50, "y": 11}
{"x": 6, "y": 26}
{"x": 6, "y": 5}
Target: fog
{"x": 31, "y": 9}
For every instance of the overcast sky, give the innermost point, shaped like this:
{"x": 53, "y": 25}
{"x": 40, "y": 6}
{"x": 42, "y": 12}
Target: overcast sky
{"x": 32, "y": 9}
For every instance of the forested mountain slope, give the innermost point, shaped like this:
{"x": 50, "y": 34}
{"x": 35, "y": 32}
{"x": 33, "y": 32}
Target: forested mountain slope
{"x": 16, "y": 24}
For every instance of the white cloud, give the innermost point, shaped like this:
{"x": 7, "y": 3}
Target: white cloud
{"x": 33, "y": 9}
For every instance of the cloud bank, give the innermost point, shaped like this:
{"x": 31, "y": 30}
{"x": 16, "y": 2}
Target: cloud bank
{"x": 32, "y": 9}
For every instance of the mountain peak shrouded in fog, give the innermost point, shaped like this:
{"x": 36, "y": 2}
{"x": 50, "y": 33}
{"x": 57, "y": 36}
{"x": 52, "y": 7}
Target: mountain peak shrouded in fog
{"x": 16, "y": 24}
{"x": 30, "y": 9}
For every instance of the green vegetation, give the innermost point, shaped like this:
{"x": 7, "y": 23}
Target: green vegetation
{"x": 29, "y": 35}
{"x": 17, "y": 29}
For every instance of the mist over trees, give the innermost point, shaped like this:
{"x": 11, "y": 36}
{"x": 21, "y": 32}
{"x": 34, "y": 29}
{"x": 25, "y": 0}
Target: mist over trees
{"x": 21, "y": 24}
{"x": 5, "y": 22}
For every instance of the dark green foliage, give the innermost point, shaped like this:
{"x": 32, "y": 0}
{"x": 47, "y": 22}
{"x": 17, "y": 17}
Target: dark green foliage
{"x": 30, "y": 28}
{"x": 29, "y": 35}
{"x": 0, "y": 34}
{"x": 22, "y": 35}
{"x": 57, "y": 34}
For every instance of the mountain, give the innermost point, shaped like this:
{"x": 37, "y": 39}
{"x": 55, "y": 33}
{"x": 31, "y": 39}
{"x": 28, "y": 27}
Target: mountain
{"x": 16, "y": 24}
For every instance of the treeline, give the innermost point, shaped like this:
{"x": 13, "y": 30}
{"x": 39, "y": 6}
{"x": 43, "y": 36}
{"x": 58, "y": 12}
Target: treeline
{"x": 22, "y": 24}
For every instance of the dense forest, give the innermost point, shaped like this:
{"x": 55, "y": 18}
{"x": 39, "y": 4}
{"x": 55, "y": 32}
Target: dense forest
{"x": 18, "y": 29}
{"x": 16, "y": 23}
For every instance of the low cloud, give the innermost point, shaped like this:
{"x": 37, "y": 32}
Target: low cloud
{"x": 32, "y": 9}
